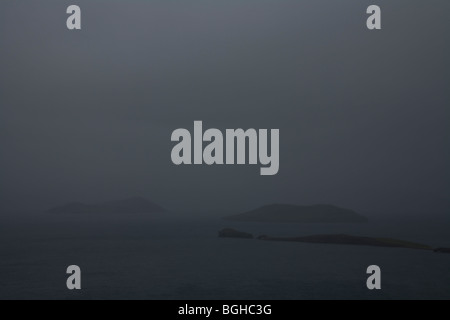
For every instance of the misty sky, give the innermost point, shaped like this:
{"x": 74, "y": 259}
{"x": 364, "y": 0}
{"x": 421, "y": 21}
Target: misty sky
{"x": 363, "y": 115}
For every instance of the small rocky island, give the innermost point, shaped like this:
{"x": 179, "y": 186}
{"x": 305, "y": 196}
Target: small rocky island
{"x": 299, "y": 214}
{"x": 134, "y": 205}
{"x": 442, "y": 250}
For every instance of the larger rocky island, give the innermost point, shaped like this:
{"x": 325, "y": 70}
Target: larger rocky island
{"x": 337, "y": 239}
{"x": 300, "y": 214}
{"x": 345, "y": 239}
{"x": 134, "y": 205}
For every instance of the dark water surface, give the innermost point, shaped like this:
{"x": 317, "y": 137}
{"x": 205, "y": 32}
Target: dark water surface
{"x": 143, "y": 258}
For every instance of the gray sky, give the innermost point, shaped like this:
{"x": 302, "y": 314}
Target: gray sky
{"x": 363, "y": 115}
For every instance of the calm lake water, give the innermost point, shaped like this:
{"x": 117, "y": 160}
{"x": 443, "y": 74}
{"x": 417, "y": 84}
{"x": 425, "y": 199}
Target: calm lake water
{"x": 142, "y": 258}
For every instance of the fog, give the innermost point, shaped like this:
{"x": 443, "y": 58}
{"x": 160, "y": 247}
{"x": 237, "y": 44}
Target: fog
{"x": 363, "y": 115}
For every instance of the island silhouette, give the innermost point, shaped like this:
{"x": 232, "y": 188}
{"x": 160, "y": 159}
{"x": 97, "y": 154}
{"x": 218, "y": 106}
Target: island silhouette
{"x": 285, "y": 213}
{"x": 336, "y": 239}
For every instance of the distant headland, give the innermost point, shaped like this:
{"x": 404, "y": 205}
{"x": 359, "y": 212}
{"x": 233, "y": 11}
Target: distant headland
{"x": 336, "y": 239}
{"x": 345, "y": 239}
{"x": 300, "y": 214}
{"x": 134, "y": 205}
